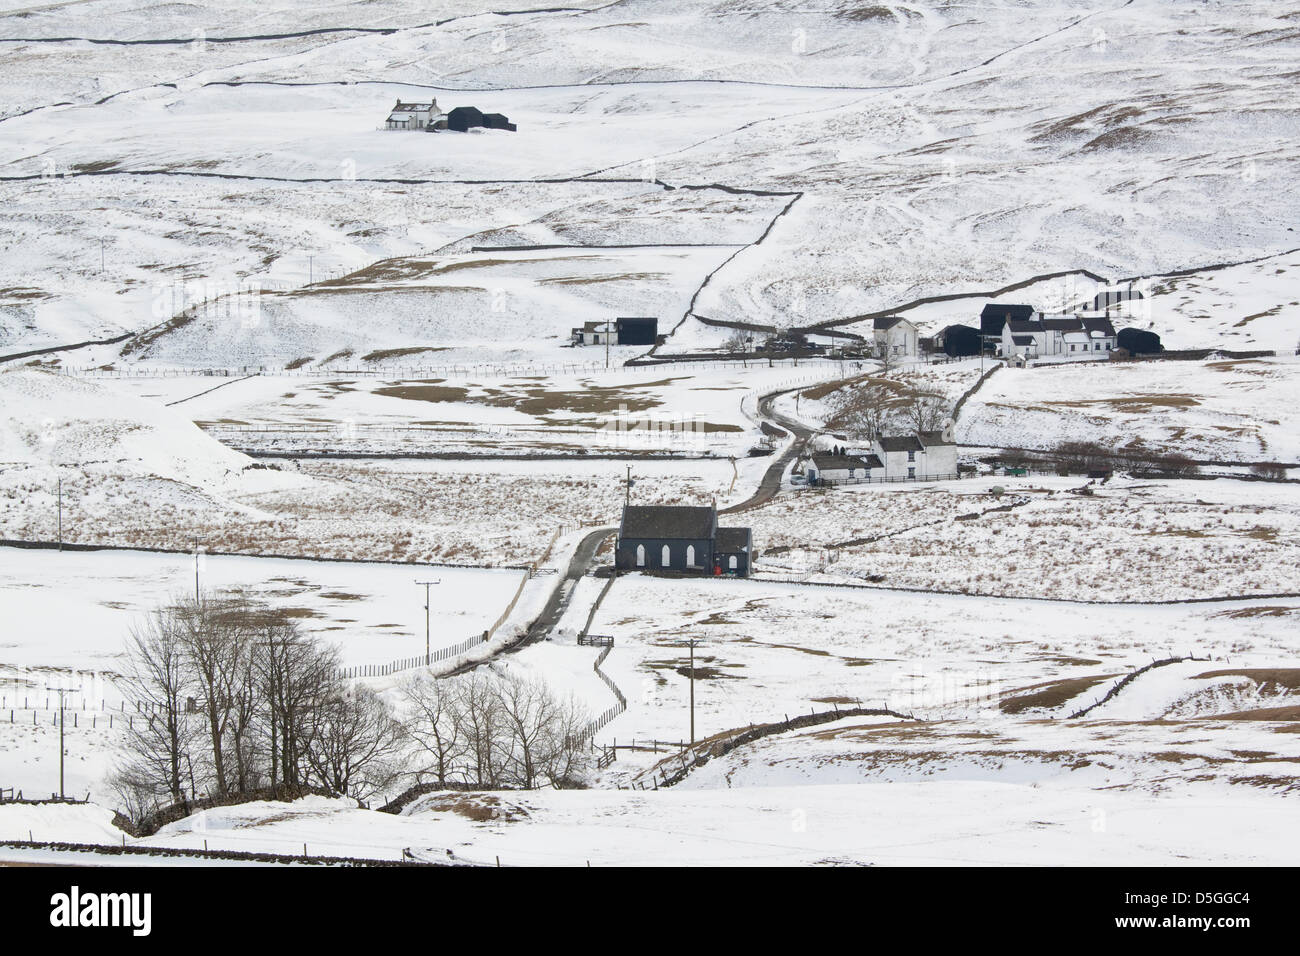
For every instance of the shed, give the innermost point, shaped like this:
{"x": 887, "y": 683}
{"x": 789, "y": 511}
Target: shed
{"x": 637, "y": 330}
{"x": 462, "y": 118}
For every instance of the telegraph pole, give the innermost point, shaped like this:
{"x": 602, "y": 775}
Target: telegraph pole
{"x": 607, "y": 344}
{"x": 60, "y": 512}
{"x": 60, "y": 691}
{"x": 196, "y": 571}
{"x": 627, "y": 491}
{"x": 311, "y": 275}
{"x": 427, "y": 585}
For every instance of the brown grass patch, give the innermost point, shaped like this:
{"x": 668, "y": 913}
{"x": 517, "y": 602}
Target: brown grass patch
{"x": 480, "y": 808}
{"x": 1271, "y": 610}
{"x": 1268, "y": 678}
{"x": 380, "y": 355}
{"x": 1131, "y": 404}
{"x": 1050, "y": 693}
{"x": 430, "y": 392}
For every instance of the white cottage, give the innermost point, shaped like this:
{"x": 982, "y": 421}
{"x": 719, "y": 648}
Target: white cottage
{"x": 1046, "y": 336}
{"x": 895, "y": 336}
{"x": 412, "y": 116}
{"x": 595, "y": 333}
{"x": 828, "y": 469}
{"x": 926, "y": 455}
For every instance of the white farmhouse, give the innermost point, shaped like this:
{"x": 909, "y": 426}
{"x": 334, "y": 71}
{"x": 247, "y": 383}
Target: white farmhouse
{"x": 832, "y": 468}
{"x": 924, "y": 456}
{"x": 413, "y": 116}
{"x": 1046, "y": 336}
{"x": 594, "y": 333}
{"x": 895, "y": 336}
{"x": 940, "y": 452}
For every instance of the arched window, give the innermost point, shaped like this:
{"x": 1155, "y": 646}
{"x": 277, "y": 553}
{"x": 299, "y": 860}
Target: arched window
{"x": 665, "y": 558}
{"x": 690, "y": 555}
{"x": 640, "y": 555}
{"x": 732, "y": 563}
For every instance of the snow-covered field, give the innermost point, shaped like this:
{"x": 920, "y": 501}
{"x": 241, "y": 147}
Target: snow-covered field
{"x": 1231, "y": 410}
{"x": 1127, "y": 540}
{"x": 211, "y": 188}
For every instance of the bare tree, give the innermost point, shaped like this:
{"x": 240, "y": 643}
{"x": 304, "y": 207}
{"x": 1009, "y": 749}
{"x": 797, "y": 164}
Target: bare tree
{"x": 567, "y": 754}
{"x": 434, "y": 725}
{"x": 861, "y": 411}
{"x": 353, "y": 738}
{"x": 297, "y": 676}
{"x": 213, "y": 634}
{"x": 527, "y": 711}
{"x": 924, "y": 410}
{"x": 737, "y": 341}
{"x": 157, "y": 678}
{"x": 886, "y": 356}
{"x": 479, "y": 707}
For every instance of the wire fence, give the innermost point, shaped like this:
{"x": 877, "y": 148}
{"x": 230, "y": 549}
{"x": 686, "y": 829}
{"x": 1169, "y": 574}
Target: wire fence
{"x": 486, "y": 369}
{"x": 444, "y": 654}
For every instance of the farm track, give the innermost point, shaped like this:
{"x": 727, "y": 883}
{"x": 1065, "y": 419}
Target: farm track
{"x": 584, "y": 556}
{"x": 770, "y": 484}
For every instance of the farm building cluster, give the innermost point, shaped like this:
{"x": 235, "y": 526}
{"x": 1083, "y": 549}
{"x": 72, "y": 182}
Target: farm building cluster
{"x": 1019, "y": 333}
{"x": 430, "y": 118}
{"x": 923, "y": 456}
{"x": 629, "y": 330}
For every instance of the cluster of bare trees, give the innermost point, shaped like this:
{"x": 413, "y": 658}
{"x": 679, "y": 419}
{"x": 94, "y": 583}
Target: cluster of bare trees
{"x": 236, "y": 700}
{"x": 877, "y": 405}
{"x": 1082, "y": 457}
{"x": 489, "y": 730}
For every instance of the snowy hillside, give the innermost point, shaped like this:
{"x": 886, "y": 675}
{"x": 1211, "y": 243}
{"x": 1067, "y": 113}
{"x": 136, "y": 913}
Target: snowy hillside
{"x": 920, "y": 149}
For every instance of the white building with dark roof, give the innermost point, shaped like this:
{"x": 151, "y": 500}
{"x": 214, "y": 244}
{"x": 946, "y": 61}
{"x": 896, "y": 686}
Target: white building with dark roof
{"x": 1052, "y": 336}
{"x": 412, "y": 116}
{"x": 923, "y": 456}
{"x": 895, "y": 336}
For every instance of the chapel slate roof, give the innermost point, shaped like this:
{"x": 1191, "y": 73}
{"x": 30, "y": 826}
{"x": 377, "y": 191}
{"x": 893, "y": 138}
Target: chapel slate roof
{"x": 934, "y": 438}
{"x": 668, "y": 521}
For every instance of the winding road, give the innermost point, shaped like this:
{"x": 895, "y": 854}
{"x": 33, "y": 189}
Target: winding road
{"x": 770, "y": 483}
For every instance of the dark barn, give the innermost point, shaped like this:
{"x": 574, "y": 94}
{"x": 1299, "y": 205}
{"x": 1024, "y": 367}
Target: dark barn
{"x": 463, "y": 117}
{"x": 996, "y": 315}
{"x": 960, "y": 340}
{"x": 497, "y": 121}
{"x": 680, "y": 538}
{"x": 637, "y": 330}
{"x": 1139, "y": 341}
